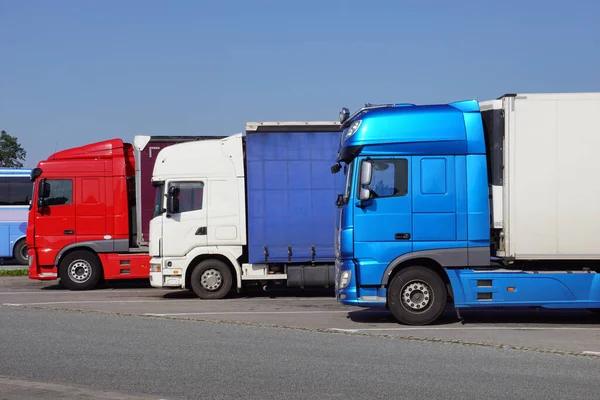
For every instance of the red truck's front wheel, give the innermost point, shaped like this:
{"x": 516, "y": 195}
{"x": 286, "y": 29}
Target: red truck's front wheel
{"x": 80, "y": 270}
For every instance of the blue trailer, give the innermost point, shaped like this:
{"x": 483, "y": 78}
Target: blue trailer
{"x": 289, "y": 212}
{"x": 489, "y": 204}
{"x": 258, "y": 210}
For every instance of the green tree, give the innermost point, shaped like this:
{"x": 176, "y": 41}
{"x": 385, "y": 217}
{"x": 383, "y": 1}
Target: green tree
{"x": 12, "y": 155}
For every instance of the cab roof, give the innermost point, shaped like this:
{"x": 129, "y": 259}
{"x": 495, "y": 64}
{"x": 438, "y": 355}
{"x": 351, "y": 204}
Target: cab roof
{"x": 104, "y": 149}
{"x": 453, "y": 128}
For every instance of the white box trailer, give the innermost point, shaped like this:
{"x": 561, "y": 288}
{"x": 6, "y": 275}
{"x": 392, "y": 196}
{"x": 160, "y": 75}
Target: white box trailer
{"x": 545, "y": 175}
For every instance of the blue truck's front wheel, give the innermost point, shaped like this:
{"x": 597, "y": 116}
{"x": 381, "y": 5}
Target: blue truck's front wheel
{"x": 417, "y": 296}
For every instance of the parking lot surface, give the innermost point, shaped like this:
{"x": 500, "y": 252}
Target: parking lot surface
{"x": 184, "y": 359}
{"x": 567, "y": 332}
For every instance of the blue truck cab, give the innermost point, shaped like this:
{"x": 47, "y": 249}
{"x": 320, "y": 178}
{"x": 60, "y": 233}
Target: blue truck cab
{"x": 414, "y": 230}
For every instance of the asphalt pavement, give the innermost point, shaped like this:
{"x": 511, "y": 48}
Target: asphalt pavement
{"x": 184, "y": 359}
{"x": 568, "y": 332}
{"x": 129, "y": 340}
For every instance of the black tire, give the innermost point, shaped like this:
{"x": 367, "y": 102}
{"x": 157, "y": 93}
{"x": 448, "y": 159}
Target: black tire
{"x": 424, "y": 292}
{"x": 211, "y": 279}
{"x": 20, "y": 252}
{"x": 80, "y": 270}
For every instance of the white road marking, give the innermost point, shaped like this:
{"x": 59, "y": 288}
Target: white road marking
{"x": 243, "y": 313}
{"x": 467, "y": 328}
{"x": 49, "y": 303}
{"x": 26, "y": 387}
{"x": 594, "y": 353}
{"x": 22, "y": 292}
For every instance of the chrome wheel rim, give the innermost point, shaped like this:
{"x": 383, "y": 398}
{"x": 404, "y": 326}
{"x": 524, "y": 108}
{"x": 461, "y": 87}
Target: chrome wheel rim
{"x": 416, "y": 296}
{"x": 211, "y": 279}
{"x": 80, "y": 271}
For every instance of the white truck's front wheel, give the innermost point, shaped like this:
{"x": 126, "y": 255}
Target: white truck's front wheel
{"x": 211, "y": 279}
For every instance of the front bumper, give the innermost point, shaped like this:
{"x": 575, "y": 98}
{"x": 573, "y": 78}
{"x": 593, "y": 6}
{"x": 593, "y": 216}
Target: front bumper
{"x": 46, "y": 273}
{"x": 351, "y": 293}
{"x": 159, "y": 280}
{"x": 165, "y": 277}
{"x": 347, "y": 295}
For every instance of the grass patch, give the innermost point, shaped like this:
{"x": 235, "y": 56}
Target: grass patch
{"x": 14, "y": 272}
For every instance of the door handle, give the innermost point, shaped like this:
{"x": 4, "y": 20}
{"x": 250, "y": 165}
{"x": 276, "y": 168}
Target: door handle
{"x": 201, "y": 231}
{"x": 402, "y": 236}
{"x": 68, "y": 232}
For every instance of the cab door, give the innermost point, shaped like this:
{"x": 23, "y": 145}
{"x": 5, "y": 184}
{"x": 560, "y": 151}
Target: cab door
{"x": 54, "y": 218}
{"x": 90, "y": 221}
{"x": 185, "y": 226}
{"x": 383, "y": 227}
{"x": 439, "y": 215}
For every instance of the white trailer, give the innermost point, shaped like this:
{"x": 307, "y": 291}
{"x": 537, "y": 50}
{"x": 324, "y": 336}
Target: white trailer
{"x": 544, "y": 174}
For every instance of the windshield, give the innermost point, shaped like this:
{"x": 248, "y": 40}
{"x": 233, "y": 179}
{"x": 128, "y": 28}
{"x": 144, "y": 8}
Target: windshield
{"x": 349, "y": 174}
{"x": 158, "y": 201}
{"x": 32, "y": 194}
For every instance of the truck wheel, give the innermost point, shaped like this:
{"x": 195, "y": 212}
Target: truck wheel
{"x": 211, "y": 279}
{"x": 80, "y": 270}
{"x": 417, "y": 296}
{"x": 20, "y": 252}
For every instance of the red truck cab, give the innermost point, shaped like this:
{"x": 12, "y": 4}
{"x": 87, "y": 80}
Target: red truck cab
{"x": 82, "y": 224}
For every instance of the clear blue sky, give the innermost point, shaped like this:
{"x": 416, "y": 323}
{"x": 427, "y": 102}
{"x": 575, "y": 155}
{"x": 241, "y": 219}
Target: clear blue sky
{"x": 75, "y": 72}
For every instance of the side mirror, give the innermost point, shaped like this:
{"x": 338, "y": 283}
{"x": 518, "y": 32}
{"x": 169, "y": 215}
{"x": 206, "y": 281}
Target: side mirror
{"x": 364, "y": 194}
{"x": 43, "y": 193}
{"x": 43, "y": 189}
{"x": 173, "y": 200}
{"x": 35, "y": 173}
{"x": 366, "y": 172}
{"x": 344, "y": 115}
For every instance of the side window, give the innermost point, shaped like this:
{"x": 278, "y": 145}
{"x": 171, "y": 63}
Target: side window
{"x": 4, "y": 192}
{"x": 190, "y": 195}
{"x": 15, "y": 191}
{"x": 61, "y": 192}
{"x": 390, "y": 178}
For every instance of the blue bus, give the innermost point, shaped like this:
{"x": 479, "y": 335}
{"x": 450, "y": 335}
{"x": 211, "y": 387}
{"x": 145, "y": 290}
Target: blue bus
{"x": 16, "y": 190}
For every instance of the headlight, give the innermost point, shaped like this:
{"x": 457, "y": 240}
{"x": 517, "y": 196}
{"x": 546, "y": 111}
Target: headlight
{"x": 154, "y": 267}
{"x": 353, "y": 128}
{"x": 345, "y": 279}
